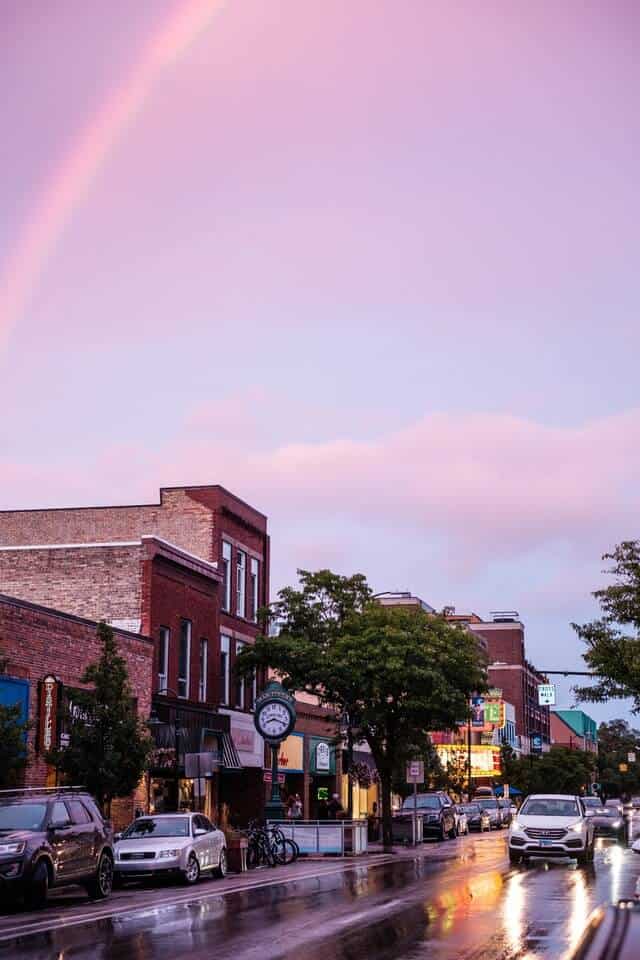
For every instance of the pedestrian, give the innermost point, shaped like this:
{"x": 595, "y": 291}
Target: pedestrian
{"x": 138, "y": 813}
{"x": 334, "y": 807}
{"x": 290, "y": 805}
{"x": 296, "y": 807}
{"x": 323, "y": 809}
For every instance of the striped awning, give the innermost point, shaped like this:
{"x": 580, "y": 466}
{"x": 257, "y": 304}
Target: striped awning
{"x": 230, "y": 756}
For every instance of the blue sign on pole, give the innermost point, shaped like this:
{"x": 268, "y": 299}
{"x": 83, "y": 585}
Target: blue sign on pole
{"x": 15, "y": 692}
{"x": 536, "y": 743}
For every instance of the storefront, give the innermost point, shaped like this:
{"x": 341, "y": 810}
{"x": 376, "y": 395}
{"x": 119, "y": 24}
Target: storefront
{"x": 243, "y": 791}
{"x": 322, "y": 775}
{"x": 290, "y": 767}
{"x": 364, "y": 785}
{"x": 193, "y": 758}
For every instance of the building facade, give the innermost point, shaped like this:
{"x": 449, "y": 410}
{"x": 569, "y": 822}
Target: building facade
{"x": 47, "y": 652}
{"x": 575, "y": 730}
{"x": 191, "y": 572}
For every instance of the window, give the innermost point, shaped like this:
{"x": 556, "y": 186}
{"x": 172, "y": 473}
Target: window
{"x": 225, "y": 646}
{"x": 163, "y": 658}
{"x": 226, "y": 572}
{"x": 78, "y": 812}
{"x": 253, "y": 576}
{"x": 241, "y": 573}
{"x": 204, "y": 663}
{"x": 239, "y": 681}
{"x": 184, "y": 658}
{"x": 59, "y": 814}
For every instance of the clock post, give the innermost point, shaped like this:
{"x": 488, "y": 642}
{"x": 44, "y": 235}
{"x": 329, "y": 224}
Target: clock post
{"x": 274, "y": 718}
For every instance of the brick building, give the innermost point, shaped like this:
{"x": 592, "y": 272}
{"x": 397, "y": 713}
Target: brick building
{"x": 191, "y": 572}
{"x": 516, "y": 676}
{"x": 40, "y": 643}
{"x": 575, "y": 730}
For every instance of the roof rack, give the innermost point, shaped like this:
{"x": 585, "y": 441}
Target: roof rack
{"x": 19, "y": 791}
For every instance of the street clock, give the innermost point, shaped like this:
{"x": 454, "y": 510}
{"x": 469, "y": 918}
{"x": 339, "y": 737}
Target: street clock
{"x": 275, "y": 713}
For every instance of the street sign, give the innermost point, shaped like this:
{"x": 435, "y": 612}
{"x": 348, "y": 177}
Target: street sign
{"x": 415, "y": 771}
{"x": 631, "y": 756}
{"x": 546, "y": 695}
{"x": 536, "y": 743}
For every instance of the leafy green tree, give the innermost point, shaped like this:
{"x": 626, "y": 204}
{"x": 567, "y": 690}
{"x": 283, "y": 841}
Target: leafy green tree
{"x": 434, "y": 773}
{"x": 615, "y": 740}
{"x": 613, "y": 640}
{"x": 559, "y": 770}
{"x": 108, "y": 746}
{"x": 13, "y": 740}
{"x": 396, "y": 672}
{"x": 13, "y": 746}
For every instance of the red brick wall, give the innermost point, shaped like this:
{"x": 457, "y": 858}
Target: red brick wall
{"x": 98, "y": 583}
{"x": 504, "y": 645}
{"x": 178, "y": 594}
{"x": 38, "y": 641}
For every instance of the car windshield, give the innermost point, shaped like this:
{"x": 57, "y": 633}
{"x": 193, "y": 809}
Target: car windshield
{"x": 487, "y": 803}
{"x": 592, "y": 802}
{"x": 423, "y": 800}
{"x": 550, "y": 807}
{"x": 610, "y": 812}
{"x": 470, "y": 808}
{"x": 157, "y": 827}
{"x": 22, "y": 816}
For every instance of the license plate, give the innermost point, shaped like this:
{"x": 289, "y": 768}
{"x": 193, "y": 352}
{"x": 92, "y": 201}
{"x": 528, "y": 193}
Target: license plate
{"x": 546, "y": 843}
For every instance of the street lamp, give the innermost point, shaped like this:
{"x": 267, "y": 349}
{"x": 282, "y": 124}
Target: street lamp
{"x": 154, "y": 723}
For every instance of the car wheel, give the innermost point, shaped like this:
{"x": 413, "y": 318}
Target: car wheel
{"x": 514, "y": 857}
{"x": 36, "y": 896}
{"x": 100, "y": 886}
{"x": 221, "y": 869}
{"x": 192, "y": 873}
{"x": 443, "y": 832}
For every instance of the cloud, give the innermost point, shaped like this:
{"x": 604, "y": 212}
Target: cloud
{"x": 490, "y": 487}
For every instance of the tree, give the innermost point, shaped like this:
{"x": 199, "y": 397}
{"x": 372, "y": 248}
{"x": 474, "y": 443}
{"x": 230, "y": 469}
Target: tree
{"x": 396, "y": 672}
{"x": 559, "y": 770}
{"x": 615, "y": 740}
{"x": 434, "y": 773}
{"x": 13, "y": 740}
{"x": 108, "y": 745}
{"x": 613, "y": 654}
{"x": 13, "y": 746}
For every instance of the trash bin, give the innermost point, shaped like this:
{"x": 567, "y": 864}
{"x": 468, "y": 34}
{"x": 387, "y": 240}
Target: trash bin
{"x": 237, "y": 854}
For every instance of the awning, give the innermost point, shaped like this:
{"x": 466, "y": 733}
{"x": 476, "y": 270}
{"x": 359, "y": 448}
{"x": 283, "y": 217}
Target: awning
{"x": 230, "y": 756}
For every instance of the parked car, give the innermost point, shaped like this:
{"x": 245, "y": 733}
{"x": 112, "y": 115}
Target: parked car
{"x": 462, "y": 824}
{"x": 593, "y": 803}
{"x": 477, "y": 818}
{"x": 438, "y": 814}
{"x": 615, "y": 803}
{"x": 482, "y": 792}
{"x": 635, "y": 803}
{"x": 552, "y": 825}
{"x": 184, "y": 844}
{"x": 492, "y": 807}
{"x": 607, "y": 821}
{"x": 53, "y": 837}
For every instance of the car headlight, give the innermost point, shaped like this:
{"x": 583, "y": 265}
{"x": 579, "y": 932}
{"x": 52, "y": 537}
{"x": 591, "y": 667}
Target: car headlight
{"x": 8, "y": 848}
{"x": 616, "y": 824}
{"x": 168, "y": 853}
{"x": 577, "y": 827}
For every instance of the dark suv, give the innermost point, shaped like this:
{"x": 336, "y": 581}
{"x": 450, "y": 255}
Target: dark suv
{"x": 438, "y": 814}
{"x": 50, "y": 838}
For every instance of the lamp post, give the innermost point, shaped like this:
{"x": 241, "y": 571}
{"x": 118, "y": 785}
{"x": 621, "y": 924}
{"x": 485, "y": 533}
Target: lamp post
{"x": 154, "y": 723}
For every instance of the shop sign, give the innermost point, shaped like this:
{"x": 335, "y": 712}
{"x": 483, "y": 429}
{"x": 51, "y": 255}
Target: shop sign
{"x": 485, "y": 760}
{"x": 487, "y": 713}
{"x": 323, "y": 756}
{"x": 268, "y": 778}
{"x": 291, "y": 754}
{"x": 48, "y": 720}
{"x": 249, "y": 745}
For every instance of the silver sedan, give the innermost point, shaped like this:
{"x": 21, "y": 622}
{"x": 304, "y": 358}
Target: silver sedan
{"x": 184, "y": 844}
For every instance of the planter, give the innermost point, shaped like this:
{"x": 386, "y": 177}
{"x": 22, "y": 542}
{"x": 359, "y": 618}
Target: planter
{"x": 237, "y": 854}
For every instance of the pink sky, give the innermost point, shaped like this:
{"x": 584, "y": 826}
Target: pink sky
{"x": 374, "y": 266}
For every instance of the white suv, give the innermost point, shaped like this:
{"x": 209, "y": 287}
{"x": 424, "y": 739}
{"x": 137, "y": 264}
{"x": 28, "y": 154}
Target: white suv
{"x": 551, "y": 825}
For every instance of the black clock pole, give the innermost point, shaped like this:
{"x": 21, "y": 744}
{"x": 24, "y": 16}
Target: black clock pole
{"x": 274, "y": 809}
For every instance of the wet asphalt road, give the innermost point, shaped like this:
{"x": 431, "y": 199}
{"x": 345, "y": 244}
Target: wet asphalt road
{"x": 463, "y": 901}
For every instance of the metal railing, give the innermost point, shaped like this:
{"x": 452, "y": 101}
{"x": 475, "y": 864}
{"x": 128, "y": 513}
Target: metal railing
{"x": 339, "y": 837}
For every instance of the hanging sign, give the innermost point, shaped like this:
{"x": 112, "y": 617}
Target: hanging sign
{"x": 546, "y": 695}
{"x": 48, "y": 719}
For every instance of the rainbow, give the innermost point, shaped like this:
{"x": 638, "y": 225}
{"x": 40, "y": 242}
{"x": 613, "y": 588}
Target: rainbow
{"x": 69, "y": 183}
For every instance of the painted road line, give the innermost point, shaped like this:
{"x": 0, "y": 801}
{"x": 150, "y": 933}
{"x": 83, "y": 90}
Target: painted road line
{"x": 136, "y": 911}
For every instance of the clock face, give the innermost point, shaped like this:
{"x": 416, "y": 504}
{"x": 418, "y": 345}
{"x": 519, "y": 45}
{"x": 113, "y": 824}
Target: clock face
{"x": 274, "y": 720}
